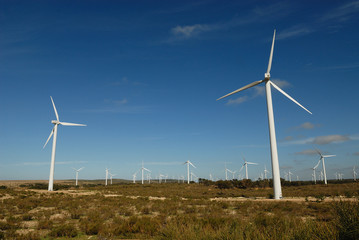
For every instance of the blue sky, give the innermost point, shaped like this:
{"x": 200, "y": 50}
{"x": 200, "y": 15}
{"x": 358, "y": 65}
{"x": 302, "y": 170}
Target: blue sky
{"x": 145, "y": 75}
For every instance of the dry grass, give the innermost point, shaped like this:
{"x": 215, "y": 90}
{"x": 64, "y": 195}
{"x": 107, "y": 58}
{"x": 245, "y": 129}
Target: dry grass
{"x": 179, "y": 211}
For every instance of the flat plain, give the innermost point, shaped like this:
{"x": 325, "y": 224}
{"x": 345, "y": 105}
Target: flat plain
{"x": 208, "y": 210}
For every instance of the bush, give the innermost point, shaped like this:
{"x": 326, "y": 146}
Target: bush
{"x": 64, "y": 231}
{"x": 347, "y": 219}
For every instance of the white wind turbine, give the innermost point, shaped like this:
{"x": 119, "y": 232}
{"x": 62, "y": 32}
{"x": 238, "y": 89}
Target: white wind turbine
{"x": 77, "y": 173}
{"x": 233, "y": 172}
{"x": 265, "y": 172}
{"x": 107, "y": 171}
{"x": 273, "y": 141}
{"x": 188, "y": 163}
{"x": 314, "y": 175}
{"x": 322, "y": 157}
{"x": 245, "y": 164}
{"x": 193, "y": 175}
{"x": 144, "y": 169}
{"x": 290, "y": 174}
{"x": 354, "y": 174}
{"x": 54, "y": 132}
{"x": 111, "y": 175}
{"x": 134, "y": 177}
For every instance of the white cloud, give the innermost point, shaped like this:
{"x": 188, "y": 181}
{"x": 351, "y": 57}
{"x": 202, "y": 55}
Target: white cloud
{"x": 294, "y": 32}
{"x": 237, "y": 100}
{"x": 307, "y": 152}
{"x": 185, "y": 32}
{"x": 322, "y": 140}
{"x": 342, "y": 13}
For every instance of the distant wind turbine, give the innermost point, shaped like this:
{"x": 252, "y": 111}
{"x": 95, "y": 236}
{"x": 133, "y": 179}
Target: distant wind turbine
{"x": 273, "y": 142}
{"x": 144, "y": 169}
{"x": 354, "y": 174}
{"x": 107, "y": 171}
{"x": 54, "y": 132}
{"x": 245, "y": 165}
{"x": 314, "y": 168}
{"x": 111, "y": 175}
{"x": 322, "y": 157}
{"x": 188, "y": 163}
{"x": 134, "y": 176}
{"x": 77, "y": 173}
{"x": 265, "y": 172}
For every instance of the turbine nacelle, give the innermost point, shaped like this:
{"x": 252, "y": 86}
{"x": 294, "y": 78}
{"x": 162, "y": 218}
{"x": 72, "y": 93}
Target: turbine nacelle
{"x": 266, "y": 76}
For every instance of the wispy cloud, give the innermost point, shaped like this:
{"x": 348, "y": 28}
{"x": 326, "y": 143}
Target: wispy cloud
{"x": 258, "y": 14}
{"x": 237, "y": 100}
{"x": 356, "y": 154}
{"x": 323, "y": 140}
{"x": 307, "y": 152}
{"x": 294, "y": 32}
{"x": 48, "y": 163}
{"x": 307, "y": 126}
{"x": 342, "y": 13}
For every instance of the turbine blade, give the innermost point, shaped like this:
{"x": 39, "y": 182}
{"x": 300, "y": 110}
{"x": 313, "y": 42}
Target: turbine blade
{"x": 241, "y": 168}
{"x": 146, "y": 169}
{"x": 191, "y": 164}
{"x": 53, "y": 104}
{"x": 326, "y": 156}
{"x": 80, "y": 169}
{"x": 252, "y": 163}
{"x": 285, "y": 94}
{"x": 316, "y": 165}
{"x": 242, "y": 88}
{"x": 271, "y": 54}
{"x": 52, "y": 132}
{"x": 71, "y": 124}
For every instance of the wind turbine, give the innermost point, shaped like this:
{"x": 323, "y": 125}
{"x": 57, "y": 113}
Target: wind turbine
{"x": 134, "y": 177}
{"x": 107, "y": 171}
{"x": 188, "y": 163}
{"x": 111, "y": 175}
{"x": 54, "y": 132}
{"x": 245, "y": 164}
{"x": 193, "y": 175}
{"x": 144, "y": 169}
{"x": 314, "y": 176}
{"x": 233, "y": 172}
{"x": 354, "y": 174}
{"x": 322, "y": 157}
{"x": 289, "y": 174}
{"x": 273, "y": 142}
{"x": 265, "y": 172}
{"x": 77, "y": 173}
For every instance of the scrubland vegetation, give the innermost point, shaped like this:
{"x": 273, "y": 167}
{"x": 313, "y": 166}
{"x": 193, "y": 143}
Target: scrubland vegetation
{"x": 221, "y": 210}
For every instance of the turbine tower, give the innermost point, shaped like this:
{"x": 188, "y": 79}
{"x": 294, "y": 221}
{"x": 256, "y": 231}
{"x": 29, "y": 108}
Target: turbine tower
{"x": 273, "y": 142}
{"x": 354, "y": 174}
{"x": 314, "y": 176}
{"x": 188, "y": 163}
{"x": 322, "y": 157}
{"x": 265, "y": 172}
{"x": 77, "y": 173}
{"x": 107, "y": 171}
{"x": 144, "y": 169}
{"x": 245, "y": 164}
{"x": 54, "y": 132}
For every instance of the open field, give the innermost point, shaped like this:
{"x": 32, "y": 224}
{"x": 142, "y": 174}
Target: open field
{"x": 177, "y": 211}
